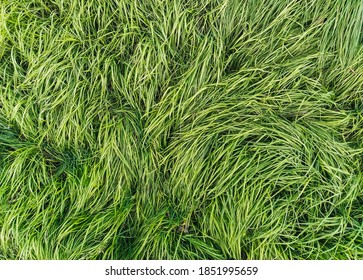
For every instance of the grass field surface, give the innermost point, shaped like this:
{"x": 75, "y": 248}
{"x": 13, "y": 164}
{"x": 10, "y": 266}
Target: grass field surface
{"x": 174, "y": 129}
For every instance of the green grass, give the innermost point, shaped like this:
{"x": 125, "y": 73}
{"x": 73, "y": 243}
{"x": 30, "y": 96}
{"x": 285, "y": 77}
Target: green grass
{"x": 173, "y": 129}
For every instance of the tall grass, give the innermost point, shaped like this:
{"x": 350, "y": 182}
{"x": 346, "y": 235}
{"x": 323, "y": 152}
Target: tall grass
{"x": 181, "y": 129}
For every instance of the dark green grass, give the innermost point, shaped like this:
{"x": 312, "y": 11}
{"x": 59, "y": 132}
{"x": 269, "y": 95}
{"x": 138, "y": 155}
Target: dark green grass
{"x": 174, "y": 129}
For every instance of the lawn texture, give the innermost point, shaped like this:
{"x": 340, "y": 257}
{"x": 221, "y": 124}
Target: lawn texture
{"x": 173, "y": 129}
